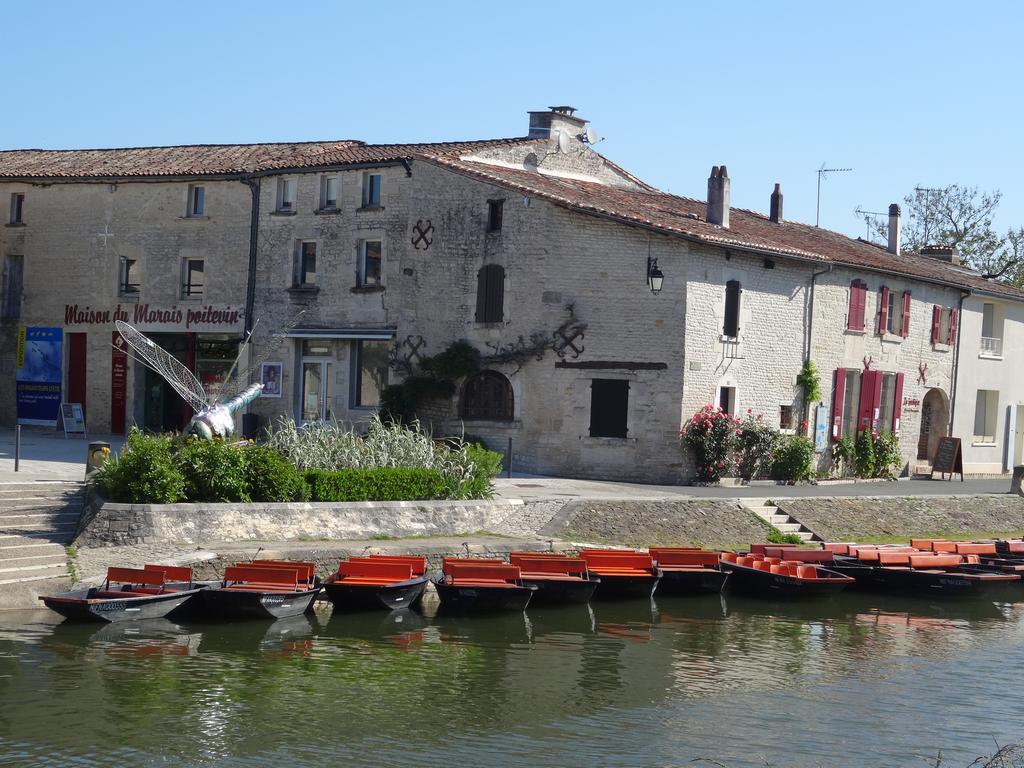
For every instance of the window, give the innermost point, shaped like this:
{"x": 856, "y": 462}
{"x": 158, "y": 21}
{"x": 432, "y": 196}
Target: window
{"x": 893, "y": 313}
{"x": 286, "y": 195}
{"x": 128, "y": 277}
{"x": 328, "y": 192}
{"x": 371, "y": 369}
{"x": 17, "y": 205}
{"x": 731, "y": 326}
{"x": 727, "y": 399}
{"x": 887, "y": 404}
{"x": 316, "y": 379}
{"x": 196, "y": 200}
{"x": 494, "y": 212}
{"x": 490, "y": 294}
{"x": 370, "y": 257}
{"x": 866, "y": 400}
{"x": 13, "y": 266}
{"x": 487, "y": 396}
{"x": 305, "y": 263}
{"x": 191, "y": 278}
{"x": 986, "y": 410}
{"x": 991, "y": 331}
{"x": 371, "y": 190}
{"x": 786, "y": 417}
{"x": 609, "y": 407}
{"x": 845, "y": 403}
{"x": 858, "y": 301}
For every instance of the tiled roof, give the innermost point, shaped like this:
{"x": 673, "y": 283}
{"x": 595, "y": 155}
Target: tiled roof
{"x": 747, "y": 229}
{"x": 216, "y": 159}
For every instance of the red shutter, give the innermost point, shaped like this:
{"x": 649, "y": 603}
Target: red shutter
{"x": 905, "y": 325}
{"x": 883, "y": 311}
{"x": 954, "y": 316}
{"x": 855, "y": 315}
{"x": 897, "y": 406}
{"x": 936, "y": 323}
{"x": 838, "y": 399}
{"x": 870, "y": 399}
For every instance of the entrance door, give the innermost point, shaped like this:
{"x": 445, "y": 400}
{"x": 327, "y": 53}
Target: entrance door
{"x": 164, "y": 409}
{"x": 315, "y": 379}
{"x": 934, "y": 418}
{"x": 76, "y": 369}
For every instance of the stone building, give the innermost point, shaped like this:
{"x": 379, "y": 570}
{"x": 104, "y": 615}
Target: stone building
{"x": 605, "y": 311}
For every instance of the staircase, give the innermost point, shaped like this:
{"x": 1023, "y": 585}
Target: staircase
{"x": 37, "y": 521}
{"x": 767, "y": 511}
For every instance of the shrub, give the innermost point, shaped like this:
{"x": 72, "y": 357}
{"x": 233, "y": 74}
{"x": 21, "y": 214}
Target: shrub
{"x": 755, "y": 446}
{"x": 144, "y": 473}
{"x": 864, "y": 455}
{"x": 378, "y": 484}
{"x": 214, "y": 470}
{"x": 710, "y": 433}
{"x": 810, "y": 383}
{"x": 271, "y": 477}
{"x": 843, "y": 455}
{"x": 794, "y": 459}
{"x": 484, "y": 466}
{"x": 775, "y": 536}
{"x": 888, "y": 458}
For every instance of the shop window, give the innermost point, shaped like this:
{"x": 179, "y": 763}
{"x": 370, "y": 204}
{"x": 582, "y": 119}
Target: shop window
{"x": 370, "y": 262}
{"x": 731, "y": 326}
{"x": 487, "y": 396}
{"x": 609, "y": 407}
{"x": 17, "y": 208}
{"x": 192, "y": 278}
{"x": 858, "y": 302}
{"x": 490, "y": 294}
{"x": 13, "y": 268}
{"x": 986, "y": 412}
{"x": 372, "y": 360}
{"x": 128, "y": 277}
{"x": 286, "y": 195}
{"x": 305, "y": 263}
{"x": 371, "y": 190}
{"x": 328, "y": 193}
{"x": 494, "y": 215}
{"x": 196, "y": 200}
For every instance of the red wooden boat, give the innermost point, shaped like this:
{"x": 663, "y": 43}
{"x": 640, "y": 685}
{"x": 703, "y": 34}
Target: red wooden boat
{"x": 772, "y": 577}
{"x": 378, "y": 581}
{"x": 624, "y": 573}
{"x": 128, "y": 594}
{"x": 263, "y": 589}
{"x": 479, "y": 586}
{"x": 557, "y": 578}
{"x": 689, "y": 570}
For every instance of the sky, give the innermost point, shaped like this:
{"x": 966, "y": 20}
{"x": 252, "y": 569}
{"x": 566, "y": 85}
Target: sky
{"x": 905, "y": 93}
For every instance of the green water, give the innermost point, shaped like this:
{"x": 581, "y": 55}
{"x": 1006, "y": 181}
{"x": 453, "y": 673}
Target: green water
{"x": 850, "y": 682}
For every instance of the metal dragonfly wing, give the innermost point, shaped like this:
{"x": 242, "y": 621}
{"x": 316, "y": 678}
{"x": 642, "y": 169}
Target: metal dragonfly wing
{"x": 163, "y": 362}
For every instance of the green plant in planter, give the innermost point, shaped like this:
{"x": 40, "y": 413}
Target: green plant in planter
{"x": 756, "y": 441}
{"x": 864, "y": 455}
{"x": 888, "y": 458}
{"x": 794, "y": 459}
{"x": 144, "y": 473}
{"x": 710, "y": 434}
{"x": 843, "y": 454}
{"x": 214, "y": 470}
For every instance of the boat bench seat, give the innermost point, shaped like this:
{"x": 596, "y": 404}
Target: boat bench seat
{"x": 255, "y": 587}
{"x": 483, "y": 583}
{"x": 368, "y": 581}
{"x": 384, "y": 572}
{"x": 481, "y": 574}
{"x": 418, "y": 563}
{"x": 115, "y": 594}
{"x": 551, "y": 576}
{"x": 678, "y": 556}
{"x": 614, "y": 560}
{"x": 607, "y": 571}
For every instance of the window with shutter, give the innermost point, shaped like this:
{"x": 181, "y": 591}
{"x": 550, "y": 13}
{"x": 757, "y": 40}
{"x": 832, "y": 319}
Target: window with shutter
{"x": 905, "y": 319}
{"x": 954, "y": 317}
{"x": 609, "y": 407}
{"x": 936, "y": 323}
{"x": 487, "y": 396}
{"x": 883, "y": 311}
{"x": 731, "y": 326}
{"x": 838, "y": 399}
{"x": 870, "y": 399}
{"x": 858, "y": 300}
{"x": 490, "y": 294}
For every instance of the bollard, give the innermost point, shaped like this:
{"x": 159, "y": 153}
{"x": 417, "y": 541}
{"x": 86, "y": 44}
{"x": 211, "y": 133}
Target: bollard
{"x": 17, "y": 446}
{"x": 97, "y": 454}
{"x": 508, "y": 460}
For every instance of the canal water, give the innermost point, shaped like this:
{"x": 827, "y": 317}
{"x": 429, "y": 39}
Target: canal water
{"x": 855, "y": 681}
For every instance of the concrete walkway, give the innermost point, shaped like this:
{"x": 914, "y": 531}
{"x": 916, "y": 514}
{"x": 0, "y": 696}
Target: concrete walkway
{"x": 47, "y": 455}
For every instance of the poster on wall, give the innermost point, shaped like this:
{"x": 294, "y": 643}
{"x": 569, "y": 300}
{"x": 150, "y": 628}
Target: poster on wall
{"x": 820, "y": 428}
{"x": 38, "y": 379}
{"x": 270, "y": 377}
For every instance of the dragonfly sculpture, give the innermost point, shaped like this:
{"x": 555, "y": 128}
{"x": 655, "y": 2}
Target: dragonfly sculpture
{"x": 214, "y": 410}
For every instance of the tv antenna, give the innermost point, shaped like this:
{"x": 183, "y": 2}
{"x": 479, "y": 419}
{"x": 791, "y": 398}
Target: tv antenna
{"x": 867, "y": 224}
{"x": 824, "y": 172}
{"x": 928, "y": 192}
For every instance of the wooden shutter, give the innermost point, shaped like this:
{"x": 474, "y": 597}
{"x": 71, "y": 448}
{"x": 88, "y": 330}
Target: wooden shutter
{"x": 858, "y": 299}
{"x": 838, "y": 399}
{"x": 905, "y": 325}
{"x": 936, "y": 323}
{"x": 870, "y": 399}
{"x": 883, "y": 311}
{"x": 490, "y": 294}
{"x": 481, "y": 294}
{"x": 954, "y": 316}
{"x": 731, "y": 326}
{"x": 609, "y": 407}
{"x": 897, "y": 405}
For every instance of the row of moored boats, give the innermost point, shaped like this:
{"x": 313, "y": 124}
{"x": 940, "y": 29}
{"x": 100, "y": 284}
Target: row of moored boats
{"x": 280, "y": 588}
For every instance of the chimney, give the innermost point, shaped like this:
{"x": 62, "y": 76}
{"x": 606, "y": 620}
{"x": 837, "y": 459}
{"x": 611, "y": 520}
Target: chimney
{"x": 718, "y": 197}
{"x": 544, "y": 125}
{"x": 942, "y": 253}
{"x": 895, "y": 229}
{"x": 776, "y": 206}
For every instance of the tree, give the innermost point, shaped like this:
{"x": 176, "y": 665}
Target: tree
{"x": 961, "y": 217}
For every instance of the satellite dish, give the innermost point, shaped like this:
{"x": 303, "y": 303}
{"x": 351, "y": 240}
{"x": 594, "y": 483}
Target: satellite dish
{"x": 563, "y": 142}
{"x": 589, "y": 136}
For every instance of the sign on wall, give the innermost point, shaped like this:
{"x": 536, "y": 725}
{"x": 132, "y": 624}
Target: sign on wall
{"x": 38, "y": 379}
{"x": 118, "y": 383}
{"x": 820, "y": 428}
{"x": 149, "y": 317}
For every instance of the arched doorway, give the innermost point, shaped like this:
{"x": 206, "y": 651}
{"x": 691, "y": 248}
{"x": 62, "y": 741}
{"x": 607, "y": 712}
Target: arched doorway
{"x": 934, "y": 422}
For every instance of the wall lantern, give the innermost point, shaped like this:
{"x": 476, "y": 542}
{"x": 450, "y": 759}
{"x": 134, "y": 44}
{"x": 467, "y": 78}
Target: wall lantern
{"x": 655, "y": 277}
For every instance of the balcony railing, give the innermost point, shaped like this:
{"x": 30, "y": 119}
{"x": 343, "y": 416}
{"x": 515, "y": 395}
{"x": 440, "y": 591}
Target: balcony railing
{"x": 991, "y": 346}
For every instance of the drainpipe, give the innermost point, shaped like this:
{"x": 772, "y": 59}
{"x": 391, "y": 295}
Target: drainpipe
{"x": 254, "y": 230}
{"x": 956, "y": 361}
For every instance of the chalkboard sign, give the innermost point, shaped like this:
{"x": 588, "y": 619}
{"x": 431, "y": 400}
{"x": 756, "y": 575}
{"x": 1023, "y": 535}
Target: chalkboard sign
{"x": 73, "y": 418}
{"x": 948, "y": 458}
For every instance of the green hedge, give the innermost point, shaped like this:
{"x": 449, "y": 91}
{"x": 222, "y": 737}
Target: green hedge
{"x": 377, "y": 484}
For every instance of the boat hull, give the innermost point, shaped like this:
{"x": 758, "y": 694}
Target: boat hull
{"x": 362, "y": 597}
{"x": 560, "y": 591}
{"x": 694, "y": 581}
{"x": 482, "y": 599}
{"x": 945, "y": 585}
{"x": 245, "y": 604}
{"x": 763, "y": 584}
{"x": 81, "y": 605}
{"x": 626, "y": 587}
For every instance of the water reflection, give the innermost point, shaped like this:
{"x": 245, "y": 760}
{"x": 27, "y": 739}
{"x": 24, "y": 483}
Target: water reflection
{"x": 633, "y": 683}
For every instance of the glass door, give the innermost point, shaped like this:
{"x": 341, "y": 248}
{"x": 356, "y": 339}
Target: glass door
{"x": 314, "y": 390}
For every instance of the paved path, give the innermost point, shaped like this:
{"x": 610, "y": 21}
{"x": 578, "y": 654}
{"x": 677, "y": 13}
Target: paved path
{"x": 47, "y": 455}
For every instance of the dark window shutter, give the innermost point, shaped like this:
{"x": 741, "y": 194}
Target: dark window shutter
{"x": 897, "y": 406}
{"x": 936, "y": 323}
{"x": 609, "y": 407}
{"x": 731, "y": 327}
{"x": 905, "y": 325}
{"x": 838, "y": 399}
{"x": 855, "y": 312}
{"x": 954, "y": 316}
{"x": 481, "y": 295}
{"x": 870, "y": 393}
{"x": 490, "y": 294}
{"x": 883, "y": 311}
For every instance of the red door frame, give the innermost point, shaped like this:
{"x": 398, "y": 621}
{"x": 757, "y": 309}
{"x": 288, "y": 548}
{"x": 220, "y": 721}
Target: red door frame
{"x": 77, "y": 371}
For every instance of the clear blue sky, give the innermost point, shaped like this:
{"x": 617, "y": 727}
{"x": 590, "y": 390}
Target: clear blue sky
{"x": 904, "y": 93}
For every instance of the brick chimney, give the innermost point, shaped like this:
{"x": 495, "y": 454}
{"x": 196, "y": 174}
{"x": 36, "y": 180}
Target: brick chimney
{"x": 718, "y": 197}
{"x": 942, "y": 253}
{"x": 895, "y": 229}
{"x": 544, "y": 124}
{"x": 775, "y": 213}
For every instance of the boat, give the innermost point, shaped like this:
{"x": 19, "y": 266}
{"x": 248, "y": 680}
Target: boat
{"x": 558, "y": 579}
{"x": 477, "y": 586}
{"x": 769, "y": 576}
{"x": 624, "y": 573}
{"x": 263, "y": 589}
{"x": 377, "y": 582}
{"x": 689, "y": 571}
{"x": 128, "y": 594}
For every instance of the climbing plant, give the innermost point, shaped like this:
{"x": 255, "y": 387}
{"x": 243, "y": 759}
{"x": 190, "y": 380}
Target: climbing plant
{"x": 810, "y": 382}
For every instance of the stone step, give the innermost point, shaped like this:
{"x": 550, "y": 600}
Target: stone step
{"x": 62, "y": 535}
{"x": 805, "y": 535}
{"x": 40, "y": 528}
{"x": 788, "y": 527}
{"x": 56, "y": 559}
{"x": 779, "y": 518}
{"x": 16, "y": 571}
{"x": 7, "y": 517}
{"x": 59, "y": 582}
{"x": 25, "y": 549}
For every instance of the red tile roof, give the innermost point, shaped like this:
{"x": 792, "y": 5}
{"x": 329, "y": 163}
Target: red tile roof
{"x": 748, "y": 230}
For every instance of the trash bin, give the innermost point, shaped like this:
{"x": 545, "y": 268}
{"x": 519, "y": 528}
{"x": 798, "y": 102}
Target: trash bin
{"x": 250, "y": 425}
{"x": 99, "y": 450}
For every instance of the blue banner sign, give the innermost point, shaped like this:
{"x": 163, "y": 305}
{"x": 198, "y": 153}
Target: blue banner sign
{"x": 820, "y": 428}
{"x": 38, "y": 379}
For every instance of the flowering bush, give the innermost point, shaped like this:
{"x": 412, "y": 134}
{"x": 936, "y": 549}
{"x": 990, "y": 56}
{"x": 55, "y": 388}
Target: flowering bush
{"x": 755, "y": 445}
{"x": 710, "y": 434}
